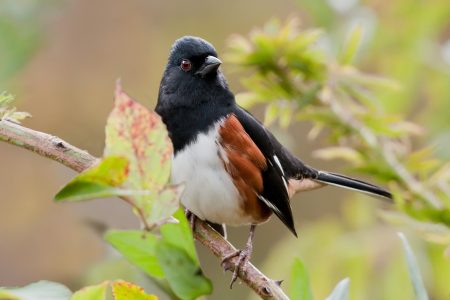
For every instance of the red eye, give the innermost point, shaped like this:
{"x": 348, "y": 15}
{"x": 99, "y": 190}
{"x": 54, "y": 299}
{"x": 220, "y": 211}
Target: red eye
{"x": 185, "y": 65}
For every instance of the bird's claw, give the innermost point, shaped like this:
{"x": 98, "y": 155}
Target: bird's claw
{"x": 243, "y": 258}
{"x": 225, "y": 263}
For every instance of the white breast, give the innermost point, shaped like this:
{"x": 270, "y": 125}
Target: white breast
{"x": 209, "y": 190}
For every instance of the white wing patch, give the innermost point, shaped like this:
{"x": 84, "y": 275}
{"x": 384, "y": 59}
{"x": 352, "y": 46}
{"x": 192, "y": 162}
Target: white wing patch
{"x": 275, "y": 158}
{"x": 278, "y": 163}
{"x": 269, "y": 204}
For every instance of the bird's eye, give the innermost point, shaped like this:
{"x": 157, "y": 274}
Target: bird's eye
{"x": 186, "y": 65}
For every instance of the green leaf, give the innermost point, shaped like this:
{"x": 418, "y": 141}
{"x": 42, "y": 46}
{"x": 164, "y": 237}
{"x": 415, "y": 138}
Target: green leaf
{"x": 37, "y": 291}
{"x": 97, "y": 182}
{"x": 123, "y": 290}
{"x": 139, "y": 135}
{"x": 172, "y": 257}
{"x": 94, "y": 292}
{"x": 180, "y": 235}
{"x": 6, "y": 100}
{"x": 167, "y": 200}
{"x": 414, "y": 272}
{"x": 139, "y": 248}
{"x": 341, "y": 291}
{"x": 345, "y": 153}
{"x": 183, "y": 273}
{"x": 370, "y": 80}
{"x": 7, "y": 111}
{"x": 351, "y": 46}
{"x": 300, "y": 286}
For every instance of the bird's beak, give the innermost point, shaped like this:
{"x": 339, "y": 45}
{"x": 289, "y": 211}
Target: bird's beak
{"x": 210, "y": 66}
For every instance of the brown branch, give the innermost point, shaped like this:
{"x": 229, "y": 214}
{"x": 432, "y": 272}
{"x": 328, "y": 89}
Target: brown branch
{"x": 261, "y": 284}
{"x": 46, "y": 145}
{"x": 59, "y": 150}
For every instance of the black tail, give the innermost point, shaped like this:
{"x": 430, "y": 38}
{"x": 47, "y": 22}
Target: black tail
{"x": 353, "y": 184}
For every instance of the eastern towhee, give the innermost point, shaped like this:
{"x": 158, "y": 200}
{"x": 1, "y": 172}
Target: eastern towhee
{"x": 234, "y": 170}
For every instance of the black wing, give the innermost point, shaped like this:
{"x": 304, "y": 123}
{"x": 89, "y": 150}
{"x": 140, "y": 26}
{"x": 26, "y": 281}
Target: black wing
{"x": 275, "y": 193}
{"x": 296, "y": 169}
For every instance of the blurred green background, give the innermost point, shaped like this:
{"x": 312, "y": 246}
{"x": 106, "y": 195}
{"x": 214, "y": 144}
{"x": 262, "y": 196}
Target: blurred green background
{"x": 61, "y": 59}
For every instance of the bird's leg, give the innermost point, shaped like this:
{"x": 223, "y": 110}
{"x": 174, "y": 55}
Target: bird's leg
{"x": 220, "y": 228}
{"x": 244, "y": 255}
{"x": 191, "y": 217}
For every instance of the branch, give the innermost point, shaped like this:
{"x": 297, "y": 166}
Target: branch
{"x": 46, "y": 145}
{"x": 59, "y": 150}
{"x": 261, "y": 284}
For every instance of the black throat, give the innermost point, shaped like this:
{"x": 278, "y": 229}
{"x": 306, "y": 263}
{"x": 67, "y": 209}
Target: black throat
{"x": 192, "y": 107}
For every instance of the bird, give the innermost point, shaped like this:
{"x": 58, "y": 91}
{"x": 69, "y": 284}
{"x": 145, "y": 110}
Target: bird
{"x": 234, "y": 170}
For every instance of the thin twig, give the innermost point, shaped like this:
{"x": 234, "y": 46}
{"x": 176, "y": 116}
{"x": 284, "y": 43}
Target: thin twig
{"x": 385, "y": 149}
{"x": 61, "y": 151}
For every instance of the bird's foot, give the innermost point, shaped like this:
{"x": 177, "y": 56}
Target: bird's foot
{"x": 225, "y": 262}
{"x": 243, "y": 257}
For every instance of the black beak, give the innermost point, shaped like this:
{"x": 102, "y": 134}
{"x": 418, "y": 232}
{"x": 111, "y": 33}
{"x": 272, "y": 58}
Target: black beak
{"x": 210, "y": 66}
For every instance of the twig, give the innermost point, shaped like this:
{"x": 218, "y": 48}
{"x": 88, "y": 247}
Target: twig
{"x": 46, "y": 145}
{"x": 59, "y": 150}
{"x": 346, "y": 117}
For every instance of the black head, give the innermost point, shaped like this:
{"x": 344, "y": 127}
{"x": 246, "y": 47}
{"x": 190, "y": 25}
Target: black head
{"x": 193, "y": 93}
{"x": 192, "y": 76}
{"x": 192, "y": 64}
{"x": 194, "y": 56}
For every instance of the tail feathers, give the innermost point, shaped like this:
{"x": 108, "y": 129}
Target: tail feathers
{"x": 352, "y": 184}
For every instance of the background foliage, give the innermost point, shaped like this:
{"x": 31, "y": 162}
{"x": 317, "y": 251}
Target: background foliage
{"x": 62, "y": 72}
